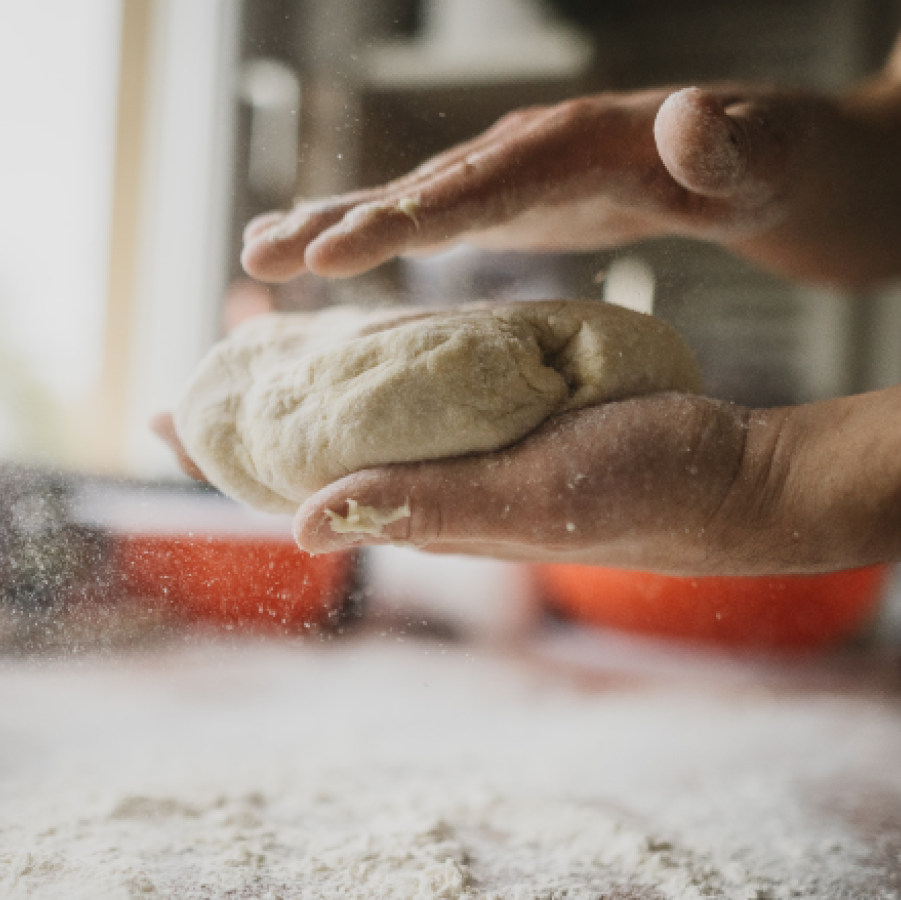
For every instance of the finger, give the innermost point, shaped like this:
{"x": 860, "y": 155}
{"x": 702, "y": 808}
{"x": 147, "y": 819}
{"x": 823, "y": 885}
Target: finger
{"x": 260, "y": 224}
{"x": 477, "y": 190}
{"x": 275, "y": 243}
{"x": 163, "y": 426}
{"x": 635, "y": 484}
{"x": 388, "y": 490}
{"x": 742, "y": 150}
{"x": 472, "y": 501}
{"x": 600, "y": 148}
{"x": 538, "y": 496}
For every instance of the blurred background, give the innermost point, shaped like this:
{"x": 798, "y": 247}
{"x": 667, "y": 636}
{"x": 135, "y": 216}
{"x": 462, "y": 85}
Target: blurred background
{"x": 143, "y": 134}
{"x": 189, "y": 706}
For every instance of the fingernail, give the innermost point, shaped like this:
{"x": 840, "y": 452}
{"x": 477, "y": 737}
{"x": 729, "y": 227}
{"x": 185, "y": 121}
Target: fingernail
{"x": 261, "y": 225}
{"x": 278, "y": 232}
{"x": 333, "y": 531}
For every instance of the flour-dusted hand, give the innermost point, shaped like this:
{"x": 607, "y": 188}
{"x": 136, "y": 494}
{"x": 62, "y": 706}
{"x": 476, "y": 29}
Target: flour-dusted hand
{"x": 669, "y": 483}
{"x": 587, "y": 173}
{"x": 798, "y": 182}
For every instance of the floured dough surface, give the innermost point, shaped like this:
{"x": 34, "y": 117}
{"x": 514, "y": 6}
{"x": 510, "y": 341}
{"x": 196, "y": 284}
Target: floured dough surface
{"x": 291, "y": 402}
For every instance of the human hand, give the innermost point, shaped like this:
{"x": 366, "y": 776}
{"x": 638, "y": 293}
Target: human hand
{"x": 640, "y": 483}
{"x": 163, "y": 426}
{"x": 584, "y": 174}
{"x": 807, "y": 186}
{"x": 668, "y": 483}
{"x": 770, "y": 173}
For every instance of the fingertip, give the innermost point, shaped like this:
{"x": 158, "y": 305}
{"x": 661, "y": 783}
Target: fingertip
{"x": 700, "y": 145}
{"x": 311, "y": 529}
{"x": 270, "y": 260}
{"x": 258, "y": 225}
{"x": 367, "y": 236}
{"x": 324, "y": 256}
{"x": 310, "y": 526}
{"x": 314, "y": 522}
{"x": 163, "y": 426}
{"x": 336, "y": 255}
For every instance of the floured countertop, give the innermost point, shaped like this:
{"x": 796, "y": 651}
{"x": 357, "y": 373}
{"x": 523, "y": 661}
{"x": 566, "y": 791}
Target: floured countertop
{"x": 401, "y": 769}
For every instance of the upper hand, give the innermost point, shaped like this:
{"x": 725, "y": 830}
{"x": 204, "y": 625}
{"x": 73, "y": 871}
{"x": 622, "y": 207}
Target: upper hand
{"x": 720, "y": 164}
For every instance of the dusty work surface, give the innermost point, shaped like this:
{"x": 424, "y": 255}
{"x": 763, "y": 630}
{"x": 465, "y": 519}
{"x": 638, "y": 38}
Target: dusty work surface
{"x": 366, "y": 769}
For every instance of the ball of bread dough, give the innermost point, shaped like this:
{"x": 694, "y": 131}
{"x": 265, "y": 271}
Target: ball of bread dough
{"x": 291, "y": 402}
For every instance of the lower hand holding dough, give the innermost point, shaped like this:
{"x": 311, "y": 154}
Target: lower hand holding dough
{"x": 668, "y": 483}
{"x": 636, "y": 483}
{"x": 665, "y": 482}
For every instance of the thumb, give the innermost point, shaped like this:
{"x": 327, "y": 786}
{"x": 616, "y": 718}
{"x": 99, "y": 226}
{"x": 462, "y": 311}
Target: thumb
{"x": 735, "y": 151}
{"x": 477, "y": 500}
{"x": 403, "y": 504}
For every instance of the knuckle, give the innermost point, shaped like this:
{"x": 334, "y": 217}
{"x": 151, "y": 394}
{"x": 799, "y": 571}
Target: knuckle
{"x": 424, "y": 523}
{"x": 577, "y": 108}
{"x": 519, "y": 116}
{"x": 581, "y": 113}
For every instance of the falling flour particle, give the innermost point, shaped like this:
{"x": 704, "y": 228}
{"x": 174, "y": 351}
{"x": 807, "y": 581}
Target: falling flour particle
{"x": 365, "y": 519}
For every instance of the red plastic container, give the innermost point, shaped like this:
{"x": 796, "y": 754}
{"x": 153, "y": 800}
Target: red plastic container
{"x": 212, "y": 560}
{"x": 240, "y": 581}
{"x": 790, "y": 612}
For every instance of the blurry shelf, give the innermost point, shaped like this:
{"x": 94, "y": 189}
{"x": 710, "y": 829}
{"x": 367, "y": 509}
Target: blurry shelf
{"x": 421, "y": 64}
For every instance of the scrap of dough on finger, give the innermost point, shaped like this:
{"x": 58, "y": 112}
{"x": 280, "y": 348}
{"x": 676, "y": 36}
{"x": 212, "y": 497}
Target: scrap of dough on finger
{"x": 410, "y": 207}
{"x": 365, "y": 519}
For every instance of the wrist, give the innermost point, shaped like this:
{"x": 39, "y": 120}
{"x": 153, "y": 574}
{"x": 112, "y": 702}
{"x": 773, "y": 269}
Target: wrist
{"x": 820, "y": 485}
{"x": 842, "y": 225}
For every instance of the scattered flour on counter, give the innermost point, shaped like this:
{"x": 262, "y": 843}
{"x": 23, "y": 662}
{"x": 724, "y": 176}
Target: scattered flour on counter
{"x": 366, "y": 772}
{"x": 365, "y": 847}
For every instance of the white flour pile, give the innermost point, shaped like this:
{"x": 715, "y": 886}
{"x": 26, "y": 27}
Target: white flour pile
{"x": 401, "y": 772}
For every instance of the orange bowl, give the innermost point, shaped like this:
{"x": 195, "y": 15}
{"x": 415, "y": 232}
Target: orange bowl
{"x": 250, "y": 582}
{"x": 786, "y": 612}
